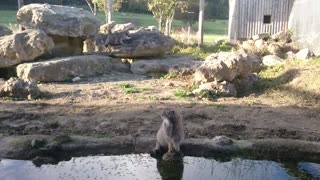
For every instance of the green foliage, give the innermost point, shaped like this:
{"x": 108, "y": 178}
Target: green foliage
{"x": 203, "y": 51}
{"x": 190, "y": 15}
{"x": 211, "y": 95}
{"x": 271, "y": 78}
{"x": 103, "y": 5}
{"x": 127, "y": 88}
{"x": 164, "y": 11}
{"x": 181, "y": 93}
{"x": 170, "y": 75}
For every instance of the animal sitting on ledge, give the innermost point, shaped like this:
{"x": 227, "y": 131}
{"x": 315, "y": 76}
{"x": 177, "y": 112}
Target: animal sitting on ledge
{"x": 170, "y": 134}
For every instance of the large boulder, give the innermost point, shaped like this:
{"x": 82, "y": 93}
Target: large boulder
{"x": 4, "y": 30}
{"x": 24, "y": 46}
{"x": 226, "y": 66}
{"x": 132, "y": 45}
{"x": 65, "y": 69}
{"x": 186, "y": 65}
{"x": 18, "y": 88}
{"x": 59, "y": 20}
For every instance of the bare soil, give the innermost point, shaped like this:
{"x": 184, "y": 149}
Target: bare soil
{"x": 98, "y": 107}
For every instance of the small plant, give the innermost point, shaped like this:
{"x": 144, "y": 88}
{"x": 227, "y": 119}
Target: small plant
{"x": 170, "y": 75}
{"x": 210, "y": 95}
{"x": 124, "y": 85}
{"x": 181, "y": 93}
{"x": 128, "y": 89}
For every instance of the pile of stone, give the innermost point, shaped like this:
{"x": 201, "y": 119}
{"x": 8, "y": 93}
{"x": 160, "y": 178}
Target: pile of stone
{"x": 17, "y": 88}
{"x": 60, "y": 43}
{"x": 275, "y": 49}
{"x": 226, "y": 73}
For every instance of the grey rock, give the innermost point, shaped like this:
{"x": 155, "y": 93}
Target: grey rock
{"x": 24, "y": 46}
{"x": 290, "y": 55}
{"x": 65, "y": 69}
{"x": 184, "y": 65}
{"x": 58, "y": 20}
{"x": 76, "y": 79}
{"x": 222, "y": 140}
{"x": 262, "y": 36}
{"x": 123, "y": 27}
{"x": 38, "y": 143}
{"x": 140, "y": 45}
{"x": 221, "y": 88}
{"x": 107, "y": 28}
{"x": 119, "y": 66}
{"x": 305, "y": 54}
{"x": 4, "y": 31}
{"x": 245, "y": 84}
{"x": 18, "y": 88}
{"x": 272, "y": 60}
{"x": 40, "y": 160}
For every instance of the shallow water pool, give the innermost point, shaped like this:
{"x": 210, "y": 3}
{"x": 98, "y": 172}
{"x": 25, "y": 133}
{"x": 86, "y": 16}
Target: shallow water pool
{"x": 143, "y": 167}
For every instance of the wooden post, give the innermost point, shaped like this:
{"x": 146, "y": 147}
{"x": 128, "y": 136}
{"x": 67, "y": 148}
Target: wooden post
{"x": 201, "y": 18}
{"x": 110, "y": 9}
{"x": 20, "y": 4}
{"x": 189, "y": 31}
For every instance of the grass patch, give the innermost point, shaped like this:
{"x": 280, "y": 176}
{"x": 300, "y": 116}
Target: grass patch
{"x": 172, "y": 75}
{"x": 183, "y": 93}
{"x": 204, "y": 51}
{"x": 127, "y": 88}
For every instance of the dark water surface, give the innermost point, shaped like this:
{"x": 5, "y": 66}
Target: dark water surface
{"x": 143, "y": 167}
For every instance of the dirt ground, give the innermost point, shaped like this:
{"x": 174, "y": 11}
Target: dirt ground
{"x": 99, "y": 107}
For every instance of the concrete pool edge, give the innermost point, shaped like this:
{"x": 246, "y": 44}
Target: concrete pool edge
{"x": 64, "y": 147}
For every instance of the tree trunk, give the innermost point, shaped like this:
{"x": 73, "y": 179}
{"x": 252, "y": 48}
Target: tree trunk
{"x": 110, "y": 9}
{"x": 167, "y": 32}
{"x": 201, "y": 17}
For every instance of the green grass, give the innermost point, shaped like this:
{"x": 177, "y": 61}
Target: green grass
{"x": 127, "y": 88}
{"x": 213, "y": 30}
{"x": 181, "y": 93}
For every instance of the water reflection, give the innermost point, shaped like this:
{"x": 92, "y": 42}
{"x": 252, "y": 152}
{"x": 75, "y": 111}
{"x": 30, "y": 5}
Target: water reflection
{"x": 143, "y": 167}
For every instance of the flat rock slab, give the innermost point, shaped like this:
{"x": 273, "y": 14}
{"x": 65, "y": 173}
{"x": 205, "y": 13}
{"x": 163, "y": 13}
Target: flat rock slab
{"x": 185, "y": 65}
{"x": 141, "y": 45}
{"x": 58, "y": 20}
{"x": 64, "y": 69}
{"x": 24, "y": 46}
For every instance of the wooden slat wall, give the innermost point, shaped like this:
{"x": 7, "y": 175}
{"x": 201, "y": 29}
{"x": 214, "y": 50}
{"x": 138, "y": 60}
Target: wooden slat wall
{"x": 248, "y": 17}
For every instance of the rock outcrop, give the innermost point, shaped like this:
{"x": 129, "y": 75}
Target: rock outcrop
{"x": 59, "y": 20}
{"x": 67, "y": 26}
{"x": 134, "y": 45}
{"x": 65, "y": 69}
{"x": 24, "y": 46}
{"x": 226, "y": 66}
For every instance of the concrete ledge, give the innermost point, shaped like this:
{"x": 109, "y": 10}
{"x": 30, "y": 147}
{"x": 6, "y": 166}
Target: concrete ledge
{"x": 23, "y": 147}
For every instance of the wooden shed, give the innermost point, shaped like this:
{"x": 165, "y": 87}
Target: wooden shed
{"x": 250, "y": 17}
